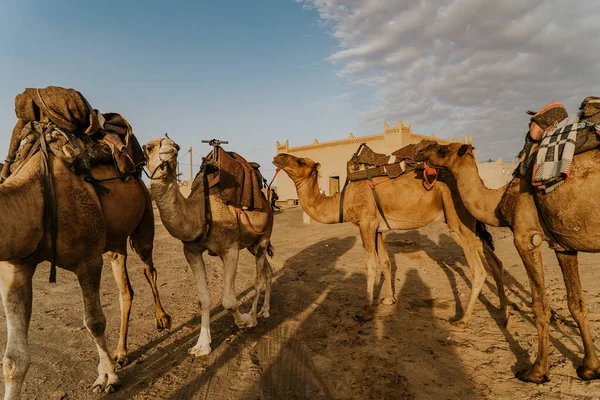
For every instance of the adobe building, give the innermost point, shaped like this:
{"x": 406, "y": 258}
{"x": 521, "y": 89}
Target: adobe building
{"x": 496, "y": 174}
{"x": 334, "y": 155}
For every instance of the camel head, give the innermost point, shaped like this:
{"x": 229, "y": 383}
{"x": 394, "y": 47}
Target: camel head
{"x": 448, "y": 156}
{"x": 161, "y": 157}
{"x": 296, "y": 168}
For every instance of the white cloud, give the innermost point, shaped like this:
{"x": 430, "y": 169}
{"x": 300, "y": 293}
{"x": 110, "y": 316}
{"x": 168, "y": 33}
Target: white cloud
{"x": 471, "y": 66}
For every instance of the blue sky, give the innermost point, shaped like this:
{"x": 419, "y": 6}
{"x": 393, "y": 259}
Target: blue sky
{"x": 249, "y": 72}
{"x": 256, "y": 72}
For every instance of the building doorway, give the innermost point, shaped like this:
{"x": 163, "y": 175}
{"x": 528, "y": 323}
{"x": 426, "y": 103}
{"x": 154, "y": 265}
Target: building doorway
{"x": 334, "y": 185}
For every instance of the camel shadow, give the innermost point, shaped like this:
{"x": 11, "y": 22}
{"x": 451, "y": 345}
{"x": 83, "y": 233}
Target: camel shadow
{"x": 228, "y": 341}
{"x": 449, "y": 256}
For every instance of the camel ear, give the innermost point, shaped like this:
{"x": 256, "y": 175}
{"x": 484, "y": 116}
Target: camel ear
{"x": 464, "y": 149}
{"x": 316, "y": 166}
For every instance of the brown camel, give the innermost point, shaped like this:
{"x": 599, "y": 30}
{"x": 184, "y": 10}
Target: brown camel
{"x": 406, "y": 205}
{"x": 88, "y": 226}
{"x": 565, "y": 218}
{"x": 184, "y": 219}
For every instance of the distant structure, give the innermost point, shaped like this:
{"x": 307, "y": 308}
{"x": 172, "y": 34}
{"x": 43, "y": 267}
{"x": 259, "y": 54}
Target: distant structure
{"x": 496, "y": 174}
{"x": 334, "y": 155}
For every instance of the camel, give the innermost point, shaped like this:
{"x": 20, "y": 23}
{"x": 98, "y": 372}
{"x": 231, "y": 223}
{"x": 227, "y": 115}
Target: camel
{"x": 230, "y": 232}
{"x": 406, "y": 205}
{"x": 88, "y": 226}
{"x": 565, "y": 218}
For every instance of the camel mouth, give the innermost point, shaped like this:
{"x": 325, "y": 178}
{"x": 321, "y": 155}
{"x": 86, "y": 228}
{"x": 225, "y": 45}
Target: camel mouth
{"x": 279, "y": 161}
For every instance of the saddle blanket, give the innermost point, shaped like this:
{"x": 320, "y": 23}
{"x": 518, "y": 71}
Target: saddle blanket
{"x": 555, "y": 154}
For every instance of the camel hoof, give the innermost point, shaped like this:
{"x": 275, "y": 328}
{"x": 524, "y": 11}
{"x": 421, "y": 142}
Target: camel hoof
{"x": 97, "y": 388}
{"x": 587, "y": 374}
{"x": 459, "y": 323}
{"x": 263, "y": 314}
{"x": 120, "y": 361}
{"x": 388, "y": 301}
{"x": 108, "y": 383}
{"x": 163, "y": 323}
{"x": 246, "y": 321}
{"x": 529, "y": 376}
{"x": 199, "y": 351}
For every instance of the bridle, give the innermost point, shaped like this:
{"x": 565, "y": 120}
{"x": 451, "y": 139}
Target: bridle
{"x": 163, "y": 164}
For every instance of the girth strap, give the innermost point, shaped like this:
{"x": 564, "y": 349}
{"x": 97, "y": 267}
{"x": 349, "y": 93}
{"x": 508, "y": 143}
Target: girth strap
{"x": 50, "y": 211}
{"x": 375, "y": 197}
{"x": 342, "y": 193}
{"x": 207, "y": 213}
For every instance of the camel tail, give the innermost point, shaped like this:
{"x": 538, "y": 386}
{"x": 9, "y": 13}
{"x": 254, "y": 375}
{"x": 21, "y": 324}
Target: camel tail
{"x": 484, "y": 234}
{"x": 270, "y": 250}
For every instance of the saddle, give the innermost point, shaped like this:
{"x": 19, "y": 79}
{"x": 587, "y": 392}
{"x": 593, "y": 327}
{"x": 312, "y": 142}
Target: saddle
{"x": 365, "y": 162}
{"x": 545, "y": 122}
{"x": 75, "y": 132}
{"x": 240, "y": 182}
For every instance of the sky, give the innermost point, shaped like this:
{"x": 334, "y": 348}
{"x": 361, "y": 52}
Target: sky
{"x": 257, "y": 72}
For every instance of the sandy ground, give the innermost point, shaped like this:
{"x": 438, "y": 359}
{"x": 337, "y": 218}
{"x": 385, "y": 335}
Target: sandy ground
{"x": 311, "y": 347}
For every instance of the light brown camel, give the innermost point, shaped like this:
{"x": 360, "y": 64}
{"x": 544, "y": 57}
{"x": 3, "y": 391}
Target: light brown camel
{"x": 565, "y": 218}
{"x": 87, "y": 227}
{"x": 184, "y": 219}
{"x": 406, "y": 205}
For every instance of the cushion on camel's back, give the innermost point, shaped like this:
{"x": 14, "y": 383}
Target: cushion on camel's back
{"x": 549, "y": 115}
{"x": 76, "y": 133}
{"x": 240, "y": 182}
{"x": 394, "y": 165}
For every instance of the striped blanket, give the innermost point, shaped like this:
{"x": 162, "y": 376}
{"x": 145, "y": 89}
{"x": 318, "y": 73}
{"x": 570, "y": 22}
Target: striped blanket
{"x": 555, "y": 154}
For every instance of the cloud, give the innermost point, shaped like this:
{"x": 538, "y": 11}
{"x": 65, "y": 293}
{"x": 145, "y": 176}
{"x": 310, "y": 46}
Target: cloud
{"x": 472, "y": 67}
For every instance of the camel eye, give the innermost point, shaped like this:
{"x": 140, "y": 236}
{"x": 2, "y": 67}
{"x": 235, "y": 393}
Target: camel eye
{"x": 149, "y": 147}
{"x": 301, "y": 162}
{"x": 442, "y": 152}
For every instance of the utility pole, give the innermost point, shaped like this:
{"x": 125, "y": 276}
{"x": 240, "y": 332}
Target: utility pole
{"x": 191, "y": 165}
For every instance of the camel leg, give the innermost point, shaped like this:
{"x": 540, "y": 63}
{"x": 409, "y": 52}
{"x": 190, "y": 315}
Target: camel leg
{"x": 497, "y": 268}
{"x": 466, "y": 238}
{"x": 578, "y": 307}
{"x": 16, "y": 290}
{"x": 368, "y": 233}
{"x": 264, "y": 275}
{"x": 119, "y": 268}
{"x": 89, "y": 275}
{"x": 230, "y": 263}
{"x": 266, "y": 307}
{"x": 142, "y": 241}
{"x": 196, "y": 262}
{"x": 532, "y": 259}
{"x": 387, "y": 293}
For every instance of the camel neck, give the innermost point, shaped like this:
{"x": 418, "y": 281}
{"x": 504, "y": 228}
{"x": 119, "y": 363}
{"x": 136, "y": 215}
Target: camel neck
{"x": 321, "y": 208}
{"x": 482, "y": 202}
{"x": 183, "y": 218}
{"x": 21, "y": 216}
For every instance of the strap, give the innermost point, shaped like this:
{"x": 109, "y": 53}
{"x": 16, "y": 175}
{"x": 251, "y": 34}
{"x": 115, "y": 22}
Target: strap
{"x": 241, "y": 212}
{"x": 212, "y": 183}
{"x": 342, "y": 193}
{"x": 207, "y": 213}
{"x": 375, "y": 197}
{"x": 50, "y": 212}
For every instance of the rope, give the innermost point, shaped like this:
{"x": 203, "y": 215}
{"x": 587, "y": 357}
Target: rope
{"x": 269, "y": 185}
{"x": 242, "y": 212}
{"x": 428, "y": 185}
{"x": 373, "y": 184}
